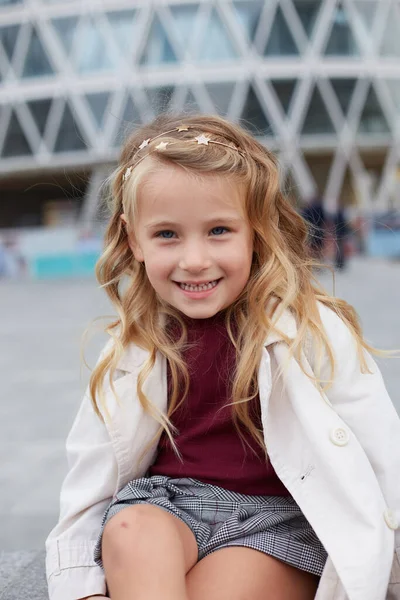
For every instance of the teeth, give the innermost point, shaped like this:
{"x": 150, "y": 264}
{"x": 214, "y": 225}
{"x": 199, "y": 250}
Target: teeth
{"x": 198, "y": 288}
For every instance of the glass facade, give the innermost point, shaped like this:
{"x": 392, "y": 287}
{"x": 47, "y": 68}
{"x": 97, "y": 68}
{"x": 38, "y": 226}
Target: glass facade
{"x": 341, "y": 41}
{"x": 303, "y": 75}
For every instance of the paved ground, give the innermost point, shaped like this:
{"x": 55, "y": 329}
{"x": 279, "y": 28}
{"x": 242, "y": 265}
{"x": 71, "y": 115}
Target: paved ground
{"x": 42, "y": 382}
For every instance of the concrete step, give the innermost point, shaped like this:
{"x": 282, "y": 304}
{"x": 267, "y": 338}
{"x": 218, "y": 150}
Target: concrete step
{"x": 22, "y": 575}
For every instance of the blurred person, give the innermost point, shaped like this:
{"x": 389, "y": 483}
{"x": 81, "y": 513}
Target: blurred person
{"x": 209, "y": 458}
{"x": 359, "y": 229}
{"x": 342, "y": 231}
{"x": 12, "y": 262}
{"x": 314, "y": 214}
{"x": 3, "y": 259}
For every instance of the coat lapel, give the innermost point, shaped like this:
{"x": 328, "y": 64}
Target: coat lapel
{"x": 131, "y": 427}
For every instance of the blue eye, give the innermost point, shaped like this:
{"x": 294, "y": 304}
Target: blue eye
{"x": 167, "y": 234}
{"x": 159, "y": 234}
{"x": 220, "y": 227}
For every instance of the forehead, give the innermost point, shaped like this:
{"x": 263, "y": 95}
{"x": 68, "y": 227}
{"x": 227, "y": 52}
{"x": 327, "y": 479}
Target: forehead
{"x": 176, "y": 192}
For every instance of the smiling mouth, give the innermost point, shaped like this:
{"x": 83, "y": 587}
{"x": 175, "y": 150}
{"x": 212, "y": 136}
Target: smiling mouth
{"x": 189, "y": 287}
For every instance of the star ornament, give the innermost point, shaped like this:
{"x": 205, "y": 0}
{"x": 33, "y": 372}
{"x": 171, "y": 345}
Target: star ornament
{"x": 162, "y": 146}
{"x": 202, "y": 140}
{"x": 127, "y": 173}
{"x": 183, "y": 128}
{"x": 144, "y": 144}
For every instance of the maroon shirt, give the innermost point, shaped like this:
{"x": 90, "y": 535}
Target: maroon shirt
{"x": 211, "y": 448}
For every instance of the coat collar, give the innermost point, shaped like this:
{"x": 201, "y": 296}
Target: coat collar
{"x": 285, "y": 328}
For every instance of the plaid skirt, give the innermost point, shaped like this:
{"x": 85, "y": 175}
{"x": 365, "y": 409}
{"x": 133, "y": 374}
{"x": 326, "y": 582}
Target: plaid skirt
{"x": 220, "y": 518}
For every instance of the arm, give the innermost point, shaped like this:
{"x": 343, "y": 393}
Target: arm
{"x": 86, "y": 492}
{"x": 362, "y": 401}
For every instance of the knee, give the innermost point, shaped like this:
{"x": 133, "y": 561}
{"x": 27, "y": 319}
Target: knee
{"x": 133, "y": 531}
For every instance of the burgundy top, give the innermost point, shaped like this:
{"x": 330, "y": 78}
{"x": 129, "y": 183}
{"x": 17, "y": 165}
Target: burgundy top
{"x": 211, "y": 448}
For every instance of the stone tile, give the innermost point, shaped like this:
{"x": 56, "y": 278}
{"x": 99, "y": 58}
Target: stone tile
{"x": 26, "y": 576}
{"x": 11, "y": 564}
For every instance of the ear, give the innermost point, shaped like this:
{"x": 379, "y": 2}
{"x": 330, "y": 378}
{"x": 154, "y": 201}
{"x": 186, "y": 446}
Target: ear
{"x": 135, "y": 248}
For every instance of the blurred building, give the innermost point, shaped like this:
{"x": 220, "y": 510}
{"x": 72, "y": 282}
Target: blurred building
{"x": 317, "y": 80}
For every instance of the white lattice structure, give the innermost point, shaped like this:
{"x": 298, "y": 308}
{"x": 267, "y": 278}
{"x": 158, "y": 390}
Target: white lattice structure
{"x": 318, "y": 80}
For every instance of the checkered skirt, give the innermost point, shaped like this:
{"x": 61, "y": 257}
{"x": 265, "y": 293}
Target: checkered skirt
{"x": 220, "y": 518}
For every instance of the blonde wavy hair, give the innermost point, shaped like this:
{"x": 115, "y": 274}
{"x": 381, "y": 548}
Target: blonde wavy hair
{"x": 281, "y": 275}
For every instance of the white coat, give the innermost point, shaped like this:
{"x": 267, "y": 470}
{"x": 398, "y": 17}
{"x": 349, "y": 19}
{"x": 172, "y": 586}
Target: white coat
{"x": 339, "y": 457}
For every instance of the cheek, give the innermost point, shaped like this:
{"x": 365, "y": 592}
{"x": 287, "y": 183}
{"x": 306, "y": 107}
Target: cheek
{"x": 239, "y": 255}
{"x": 158, "y": 264}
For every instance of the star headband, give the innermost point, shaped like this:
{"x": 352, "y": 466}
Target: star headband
{"x": 201, "y": 140}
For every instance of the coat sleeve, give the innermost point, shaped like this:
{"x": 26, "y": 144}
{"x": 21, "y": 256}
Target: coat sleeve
{"x": 362, "y": 401}
{"x": 85, "y": 494}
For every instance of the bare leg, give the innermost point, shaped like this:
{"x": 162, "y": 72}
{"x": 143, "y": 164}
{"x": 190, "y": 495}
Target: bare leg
{"x": 146, "y": 554}
{"x": 237, "y": 573}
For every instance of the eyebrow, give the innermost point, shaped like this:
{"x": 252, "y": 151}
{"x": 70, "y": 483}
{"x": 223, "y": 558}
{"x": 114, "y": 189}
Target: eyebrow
{"x": 156, "y": 224}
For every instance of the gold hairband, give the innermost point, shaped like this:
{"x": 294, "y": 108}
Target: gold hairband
{"x": 202, "y": 140}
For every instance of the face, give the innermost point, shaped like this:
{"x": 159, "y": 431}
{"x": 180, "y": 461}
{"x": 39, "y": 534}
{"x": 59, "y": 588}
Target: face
{"x": 194, "y": 239}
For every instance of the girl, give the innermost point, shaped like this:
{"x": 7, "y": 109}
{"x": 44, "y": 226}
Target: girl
{"x": 236, "y": 433}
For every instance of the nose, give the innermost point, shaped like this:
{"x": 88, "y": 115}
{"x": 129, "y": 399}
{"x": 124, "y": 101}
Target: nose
{"x": 194, "y": 258}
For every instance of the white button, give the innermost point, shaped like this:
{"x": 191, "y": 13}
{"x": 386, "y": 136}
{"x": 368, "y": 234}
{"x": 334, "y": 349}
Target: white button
{"x": 391, "y": 519}
{"x": 339, "y": 436}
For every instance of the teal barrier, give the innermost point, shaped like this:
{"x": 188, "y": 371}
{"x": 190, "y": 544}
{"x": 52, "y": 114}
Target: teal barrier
{"x": 63, "y": 265}
{"x": 383, "y": 243}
